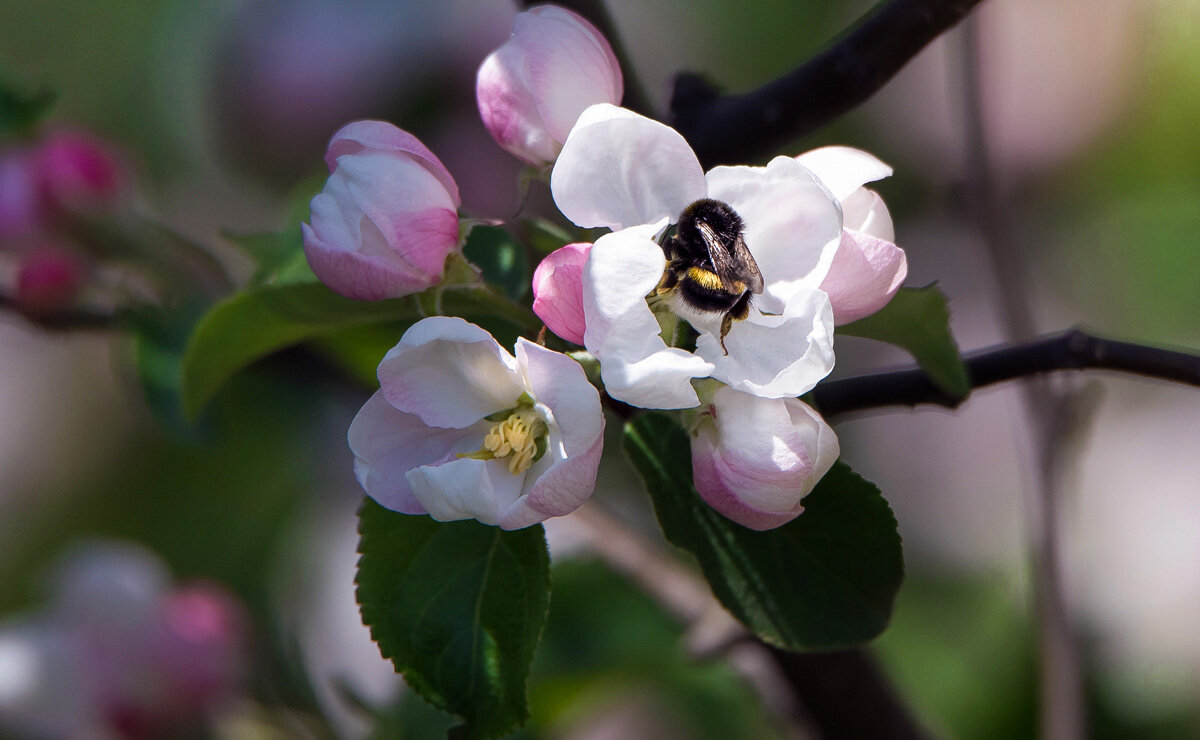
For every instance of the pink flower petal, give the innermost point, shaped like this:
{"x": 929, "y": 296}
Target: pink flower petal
{"x": 558, "y": 291}
{"x": 865, "y": 274}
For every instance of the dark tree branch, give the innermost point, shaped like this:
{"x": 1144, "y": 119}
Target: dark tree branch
{"x": 846, "y": 695}
{"x": 1071, "y": 350}
{"x": 735, "y": 129}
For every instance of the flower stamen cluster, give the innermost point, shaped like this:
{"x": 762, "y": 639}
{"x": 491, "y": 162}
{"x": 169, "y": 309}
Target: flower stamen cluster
{"x": 520, "y": 436}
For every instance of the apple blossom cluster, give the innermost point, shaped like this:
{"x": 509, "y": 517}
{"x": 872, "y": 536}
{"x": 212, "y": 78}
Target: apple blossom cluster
{"x": 462, "y": 429}
{"x": 43, "y": 185}
{"x": 120, "y": 651}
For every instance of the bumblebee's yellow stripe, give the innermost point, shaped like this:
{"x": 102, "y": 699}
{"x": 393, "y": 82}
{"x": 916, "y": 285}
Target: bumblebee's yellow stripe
{"x": 704, "y": 278}
{"x": 709, "y": 280}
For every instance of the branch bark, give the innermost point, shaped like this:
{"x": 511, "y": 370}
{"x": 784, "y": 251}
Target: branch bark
{"x": 735, "y": 129}
{"x": 1071, "y": 350}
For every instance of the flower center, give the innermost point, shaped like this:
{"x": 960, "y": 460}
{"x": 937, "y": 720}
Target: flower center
{"x": 519, "y": 435}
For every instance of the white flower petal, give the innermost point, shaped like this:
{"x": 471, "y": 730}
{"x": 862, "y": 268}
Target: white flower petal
{"x": 865, "y": 211}
{"x": 466, "y": 489}
{"x": 387, "y": 443}
{"x": 793, "y": 225}
{"x": 844, "y": 169}
{"x": 619, "y": 169}
{"x": 622, "y": 332}
{"x": 450, "y": 373}
{"x": 776, "y": 356}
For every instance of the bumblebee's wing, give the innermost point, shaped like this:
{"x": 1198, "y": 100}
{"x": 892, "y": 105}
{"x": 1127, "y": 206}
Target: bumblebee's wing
{"x": 736, "y": 267}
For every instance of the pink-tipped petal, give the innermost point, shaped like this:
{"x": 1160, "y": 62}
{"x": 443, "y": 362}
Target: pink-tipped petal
{"x": 369, "y": 135}
{"x": 531, "y": 90}
{"x": 866, "y": 273}
{"x": 450, "y": 373}
{"x": 558, "y": 291}
{"x": 386, "y": 220}
{"x": 756, "y": 458}
{"x": 844, "y": 169}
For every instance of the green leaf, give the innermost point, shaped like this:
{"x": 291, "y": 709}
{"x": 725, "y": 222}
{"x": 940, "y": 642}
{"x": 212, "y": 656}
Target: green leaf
{"x": 825, "y": 580}
{"x": 279, "y": 256}
{"x": 250, "y": 325}
{"x": 458, "y": 608}
{"x": 501, "y": 259}
{"x": 159, "y": 338}
{"x": 918, "y": 321}
{"x": 20, "y": 111}
{"x": 544, "y": 236}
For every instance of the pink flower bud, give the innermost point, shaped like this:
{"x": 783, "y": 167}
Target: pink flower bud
{"x": 532, "y": 89}
{"x": 868, "y": 267}
{"x": 558, "y": 291}
{"x": 48, "y": 280}
{"x": 387, "y": 218}
{"x": 754, "y": 459}
{"x": 20, "y": 203}
{"x": 77, "y": 172}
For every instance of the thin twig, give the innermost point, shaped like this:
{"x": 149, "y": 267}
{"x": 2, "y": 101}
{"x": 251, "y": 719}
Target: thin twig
{"x": 1072, "y": 350}
{"x": 735, "y": 129}
{"x": 1061, "y": 705}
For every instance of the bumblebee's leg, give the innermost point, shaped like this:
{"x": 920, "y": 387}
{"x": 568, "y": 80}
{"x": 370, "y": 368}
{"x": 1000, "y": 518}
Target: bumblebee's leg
{"x": 738, "y": 312}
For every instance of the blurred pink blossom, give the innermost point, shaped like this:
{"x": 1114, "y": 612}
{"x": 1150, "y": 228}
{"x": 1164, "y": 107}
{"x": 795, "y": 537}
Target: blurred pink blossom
{"x": 76, "y": 171}
{"x": 48, "y": 280}
{"x": 120, "y": 652}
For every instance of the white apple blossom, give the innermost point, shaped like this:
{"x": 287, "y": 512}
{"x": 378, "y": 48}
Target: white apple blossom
{"x": 462, "y": 429}
{"x": 868, "y": 268}
{"x": 754, "y": 459}
{"x": 634, "y": 175}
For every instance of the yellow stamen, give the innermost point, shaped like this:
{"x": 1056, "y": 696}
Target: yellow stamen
{"x": 515, "y": 437}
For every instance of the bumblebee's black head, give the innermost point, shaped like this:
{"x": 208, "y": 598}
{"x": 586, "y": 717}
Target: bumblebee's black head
{"x": 720, "y": 217}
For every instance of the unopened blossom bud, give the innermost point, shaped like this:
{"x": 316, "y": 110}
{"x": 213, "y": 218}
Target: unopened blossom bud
{"x": 77, "y": 172}
{"x": 558, "y": 291}
{"x": 868, "y": 267}
{"x": 754, "y": 459}
{"x": 461, "y": 429}
{"x": 48, "y": 281}
{"x": 387, "y": 218}
{"x": 532, "y": 89}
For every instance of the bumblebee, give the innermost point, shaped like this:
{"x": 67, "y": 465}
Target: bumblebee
{"x": 709, "y": 269}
